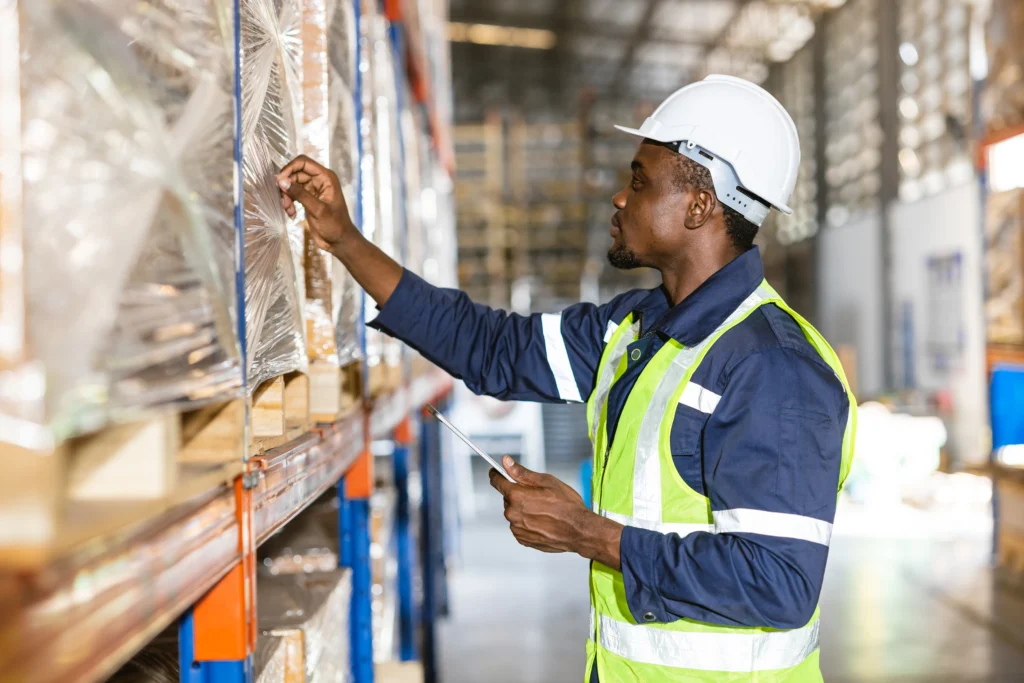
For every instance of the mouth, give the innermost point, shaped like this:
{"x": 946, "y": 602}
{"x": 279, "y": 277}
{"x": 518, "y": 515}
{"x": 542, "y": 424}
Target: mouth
{"x": 616, "y": 227}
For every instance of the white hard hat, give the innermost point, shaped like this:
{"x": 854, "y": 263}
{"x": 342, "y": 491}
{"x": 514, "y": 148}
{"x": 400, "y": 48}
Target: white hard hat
{"x": 737, "y": 131}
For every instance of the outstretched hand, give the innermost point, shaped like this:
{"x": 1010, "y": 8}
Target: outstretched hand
{"x": 318, "y": 190}
{"x": 546, "y": 514}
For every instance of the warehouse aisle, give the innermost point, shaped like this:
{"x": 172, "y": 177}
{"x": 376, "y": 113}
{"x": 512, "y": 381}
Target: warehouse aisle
{"x": 517, "y": 615}
{"x": 913, "y": 607}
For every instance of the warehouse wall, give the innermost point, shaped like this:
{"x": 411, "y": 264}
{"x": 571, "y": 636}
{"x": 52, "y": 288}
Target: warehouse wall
{"x": 850, "y": 295}
{"x": 942, "y": 225}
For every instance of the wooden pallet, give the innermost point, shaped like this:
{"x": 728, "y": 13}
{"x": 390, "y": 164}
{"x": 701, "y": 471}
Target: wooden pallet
{"x": 334, "y": 392}
{"x": 1010, "y": 542}
{"x": 384, "y": 379}
{"x": 94, "y": 485}
{"x": 279, "y": 412}
{"x": 399, "y": 672}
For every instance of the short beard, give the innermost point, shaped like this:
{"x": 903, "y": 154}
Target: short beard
{"x": 623, "y": 258}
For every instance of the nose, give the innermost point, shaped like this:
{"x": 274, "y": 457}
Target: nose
{"x": 619, "y": 199}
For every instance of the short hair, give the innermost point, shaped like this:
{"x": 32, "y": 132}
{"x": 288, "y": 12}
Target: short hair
{"x": 690, "y": 174}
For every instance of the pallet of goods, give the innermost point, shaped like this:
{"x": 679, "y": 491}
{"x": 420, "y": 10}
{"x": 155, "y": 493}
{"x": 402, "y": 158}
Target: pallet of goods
{"x": 120, "y": 368}
{"x": 383, "y": 214}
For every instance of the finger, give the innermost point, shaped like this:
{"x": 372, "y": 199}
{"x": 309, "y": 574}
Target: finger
{"x": 299, "y": 193}
{"x": 300, "y": 164}
{"x": 521, "y": 474}
{"x": 287, "y": 204}
{"x": 503, "y": 485}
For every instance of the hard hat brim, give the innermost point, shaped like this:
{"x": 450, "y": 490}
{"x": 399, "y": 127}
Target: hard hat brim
{"x": 639, "y": 133}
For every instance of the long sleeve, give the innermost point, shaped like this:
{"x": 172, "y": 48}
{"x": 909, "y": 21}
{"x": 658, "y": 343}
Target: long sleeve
{"x": 772, "y": 451}
{"x": 542, "y": 357}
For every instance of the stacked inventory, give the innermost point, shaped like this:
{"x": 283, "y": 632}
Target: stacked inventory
{"x": 1003, "y": 113}
{"x": 484, "y": 268}
{"x": 547, "y": 214}
{"x": 171, "y": 342}
{"x": 382, "y": 195}
{"x": 119, "y": 356}
{"x": 853, "y": 153}
{"x": 784, "y": 239}
{"x": 935, "y": 101}
{"x": 795, "y": 91}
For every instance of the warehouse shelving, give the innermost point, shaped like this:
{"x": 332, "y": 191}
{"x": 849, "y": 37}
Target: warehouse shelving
{"x": 81, "y": 616}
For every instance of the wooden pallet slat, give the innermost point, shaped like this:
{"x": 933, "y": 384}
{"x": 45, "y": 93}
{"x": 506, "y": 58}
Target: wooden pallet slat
{"x": 279, "y": 411}
{"x": 96, "y": 484}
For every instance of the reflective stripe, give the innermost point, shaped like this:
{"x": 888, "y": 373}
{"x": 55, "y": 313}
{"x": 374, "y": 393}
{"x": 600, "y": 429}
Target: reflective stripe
{"x": 743, "y": 651}
{"x": 779, "y": 524}
{"x": 665, "y": 527}
{"x": 558, "y": 358}
{"x": 647, "y": 466}
{"x": 606, "y": 375}
{"x": 610, "y": 332}
{"x": 697, "y": 397}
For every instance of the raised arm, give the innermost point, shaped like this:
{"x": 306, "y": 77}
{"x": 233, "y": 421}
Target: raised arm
{"x": 540, "y": 357}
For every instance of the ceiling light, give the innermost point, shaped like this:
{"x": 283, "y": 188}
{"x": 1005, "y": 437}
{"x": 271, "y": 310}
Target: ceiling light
{"x": 506, "y": 36}
{"x": 908, "y": 53}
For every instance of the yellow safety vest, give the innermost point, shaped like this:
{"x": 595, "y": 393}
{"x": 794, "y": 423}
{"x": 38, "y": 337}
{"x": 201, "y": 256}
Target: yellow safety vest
{"x": 636, "y": 483}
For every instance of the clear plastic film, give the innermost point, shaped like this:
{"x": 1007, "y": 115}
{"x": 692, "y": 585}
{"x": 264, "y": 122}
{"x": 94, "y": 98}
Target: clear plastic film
{"x": 117, "y": 225}
{"x": 390, "y": 210}
{"x": 368, "y": 180}
{"x": 318, "y": 604}
{"x": 344, "y": 159}
{"x": 413, "y": 138}
{"x": 318, "y": 265}
{"x": 272, "y": 120}
{"x": 158, "y": 662}
{"x": 279, "y": 657}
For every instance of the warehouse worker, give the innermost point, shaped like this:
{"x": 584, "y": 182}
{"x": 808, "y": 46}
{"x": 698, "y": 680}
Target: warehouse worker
{"x": 721, "y": 420}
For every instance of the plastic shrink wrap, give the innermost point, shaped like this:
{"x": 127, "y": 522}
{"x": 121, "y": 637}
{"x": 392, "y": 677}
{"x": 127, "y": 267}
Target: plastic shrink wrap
{"x": 116, "y": 212}
{"x": 318, "y": 605}
{"x": 320, "y": 267}
{"x": 344, "y": 159}
{"x": 157, "y": 663}
{"x": 272, "y": 120}
{"x": 387, "y": 225}
{"x": 414, "y": 152}
{"x": 278, "y": 659}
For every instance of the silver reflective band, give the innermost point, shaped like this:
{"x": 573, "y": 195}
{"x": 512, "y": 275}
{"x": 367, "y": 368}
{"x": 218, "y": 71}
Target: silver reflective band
{"x": 558, "y": 358}
{"x": 697, "y": 397}
{"x": 735, "y": 652}
{"x": 663, "y": 527}
{"x": 606, "y": 374}
{"x": 780, "y": 524}
{"x": 610, "y": 331}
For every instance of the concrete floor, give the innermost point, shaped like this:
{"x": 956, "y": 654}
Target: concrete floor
{"x": 905, "y": 601}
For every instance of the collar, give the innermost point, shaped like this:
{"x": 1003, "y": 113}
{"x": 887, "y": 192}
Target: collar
{"x": 707, "y": 307}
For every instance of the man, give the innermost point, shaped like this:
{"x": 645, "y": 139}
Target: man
{"x": 717, "y": 414}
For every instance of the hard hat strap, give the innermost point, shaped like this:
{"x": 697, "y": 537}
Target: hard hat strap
{"x": 727, "y": 184}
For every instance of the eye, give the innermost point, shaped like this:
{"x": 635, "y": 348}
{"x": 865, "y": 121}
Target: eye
{"x": 636, "y": 183}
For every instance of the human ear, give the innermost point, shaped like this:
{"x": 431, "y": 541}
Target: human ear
{"x": 700, "y": 209}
